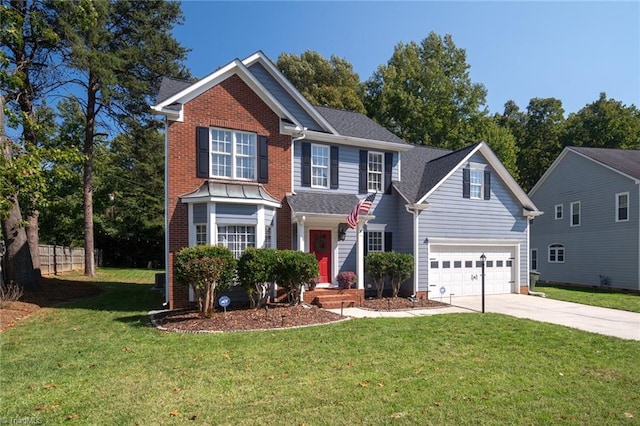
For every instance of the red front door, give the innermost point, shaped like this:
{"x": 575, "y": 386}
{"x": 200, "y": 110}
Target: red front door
{"x": 320, "y": 245}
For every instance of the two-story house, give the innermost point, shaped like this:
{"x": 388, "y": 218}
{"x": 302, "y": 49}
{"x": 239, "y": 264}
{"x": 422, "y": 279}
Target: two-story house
{"x": 251, "y": 163}
{"x": 591, "y": 235}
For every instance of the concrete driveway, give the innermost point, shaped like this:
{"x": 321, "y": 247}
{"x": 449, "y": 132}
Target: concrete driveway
{"x": 610, "y": 322}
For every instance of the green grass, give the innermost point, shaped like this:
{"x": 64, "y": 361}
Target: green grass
{"x": 593, "y": 296}
{"x": 96, "y": 361}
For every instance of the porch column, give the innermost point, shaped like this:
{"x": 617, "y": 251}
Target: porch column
{"x": 360, "y": 257}
{"x": 301, "y": 246}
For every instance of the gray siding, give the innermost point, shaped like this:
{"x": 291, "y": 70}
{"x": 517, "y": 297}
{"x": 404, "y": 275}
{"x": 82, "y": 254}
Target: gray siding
{"x": 347, "y": 168}
{"x": 283, "y": 97}
{"x": 451, "y": 216}
{"x": 600, "y": 245}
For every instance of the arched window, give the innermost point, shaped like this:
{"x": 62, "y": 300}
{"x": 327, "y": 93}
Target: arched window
{"x": 556, "y": 253}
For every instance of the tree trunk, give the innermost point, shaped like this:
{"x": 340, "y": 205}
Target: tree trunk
{"x": 17, "y": 256}
{"x": 87, "y": 182}
{"x": 33, "y": 239}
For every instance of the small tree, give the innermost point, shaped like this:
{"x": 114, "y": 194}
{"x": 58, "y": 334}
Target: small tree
{"x": 377, "y": 266}
{"x": 255, "y": 272}
{"x": 205, "y": 269}
{"x": 399, "y": 267}
{"x": 293, "y": 269}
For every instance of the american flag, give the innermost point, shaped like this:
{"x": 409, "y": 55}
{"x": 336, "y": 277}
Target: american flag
{"x": 362, "y": 206}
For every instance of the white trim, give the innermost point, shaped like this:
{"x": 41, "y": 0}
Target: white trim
{"x": 531, "y": 251}
{"x": 328, "y": 166}
{"x": 571, "y": 204}
{"x": 617, "y": 198}
{"x": 259, "y": 56}
{"x": 167, "y": 278}
{"x": 353, "y": 141}
{"x": 500, "y": 170}
{"x": 563, "y": 154}
{"x": 235, "y": 67}
{"x": 558, "y": 247}
{"x": 382, "y": 171}
{"x": 224, "y": 200}
{"x": 555, "y": 211}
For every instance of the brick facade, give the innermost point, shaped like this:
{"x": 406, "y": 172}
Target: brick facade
{"x": 233, "y": 105}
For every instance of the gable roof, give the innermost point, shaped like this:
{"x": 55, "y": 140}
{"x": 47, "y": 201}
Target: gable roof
{"x": 623, "y": 161}
{"x": 626, "y": 161}
{"x": 169, "y": 87}
{"x": 355, "y": 124}
{"x": 436, "y": 169}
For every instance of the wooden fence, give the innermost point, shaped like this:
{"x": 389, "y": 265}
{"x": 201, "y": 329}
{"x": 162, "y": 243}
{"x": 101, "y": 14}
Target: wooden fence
{"x": 57, "y": 259}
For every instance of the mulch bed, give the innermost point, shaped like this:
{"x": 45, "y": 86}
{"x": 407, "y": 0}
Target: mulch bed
{"x": 50, "y": 292}
{"x": 276, "y": 316}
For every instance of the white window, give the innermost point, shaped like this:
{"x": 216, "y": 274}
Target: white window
{"x": 319, "y": 166}
{"x": 475, "y": 180}
{"x": 237, "y": 238}
{"x": 267, "y": 237}
{"x": 201, "y": 234}
{"x": 375, "y": 241}
{"x": 375, "y": 171}
{"x": 558, "y": 211}
{"x": 575, "y": 213}
{"x": 534, "y": 259}
{"x": 622, "y": 207}
{"x": 233, "y": 154}
{"x": 556, "y": 253}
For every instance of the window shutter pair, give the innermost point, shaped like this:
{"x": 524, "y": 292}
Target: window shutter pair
{"x": 334, "y": 161}
{"x": 363, "y": 184}
{"x": 466, "y": 184}
{"x": 388, "y": 242}
{"x": 203, "y": 157}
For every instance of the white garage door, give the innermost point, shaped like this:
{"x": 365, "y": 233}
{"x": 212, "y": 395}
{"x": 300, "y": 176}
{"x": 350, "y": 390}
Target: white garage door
{"x": 457, "y": 270}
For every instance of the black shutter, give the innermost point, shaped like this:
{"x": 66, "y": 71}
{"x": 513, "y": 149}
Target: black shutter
{"x": 333, "y": 174}
{"x": 366, "y": 243}
{"x": 364, "y": 159}
{"x": 388, "y": 166}
{"x": 263, "y": 159}
{"x": 487, "y": 185}
{"x": 306, "y": 164}
{"x": 202, "y": 152}
{"x": 388, "y": 241}
{"x": 466, "y": 183}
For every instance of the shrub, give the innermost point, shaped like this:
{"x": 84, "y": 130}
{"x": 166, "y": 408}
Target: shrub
{"x": 9, "y": 293}
{"x": 377, "y": 266}
{"x": 255, "y": 273}
{"x": 205, "y": 269}
{"x": 399, "y": 268}
{"x": 292, "y": 270}
{"x": 346, "y": 279}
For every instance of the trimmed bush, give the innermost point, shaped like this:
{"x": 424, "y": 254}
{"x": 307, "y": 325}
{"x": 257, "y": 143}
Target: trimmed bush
{"x": 399, "y": 268}
{"x": 205, "y": 269}
{"x": 255, "y": 272}
{"x": 377, "y": 266}
{"x": 292, "y": 270}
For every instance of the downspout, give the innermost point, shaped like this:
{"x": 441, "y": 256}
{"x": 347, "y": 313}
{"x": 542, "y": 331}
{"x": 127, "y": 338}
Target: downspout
{"x": 166, "y": 209}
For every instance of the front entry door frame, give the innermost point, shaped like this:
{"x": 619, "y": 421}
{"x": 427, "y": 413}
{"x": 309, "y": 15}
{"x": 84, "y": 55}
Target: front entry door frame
{"x": 321, "y": 245}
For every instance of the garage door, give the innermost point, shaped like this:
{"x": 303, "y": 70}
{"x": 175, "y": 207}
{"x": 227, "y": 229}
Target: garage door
{"x": 457, "y": 270}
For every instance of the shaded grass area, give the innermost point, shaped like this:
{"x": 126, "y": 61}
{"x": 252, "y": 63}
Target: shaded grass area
{"x": 97, "y": 361}
{"x": 593, "y": 296}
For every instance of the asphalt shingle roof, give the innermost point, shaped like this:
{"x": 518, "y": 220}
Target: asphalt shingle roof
{"x": 169, "y": 87}
{"x": 626, "y": 161}
{"x": 424, "y": 167}
{"x": 322, "y": 203}
{"x": 355, "y": 124}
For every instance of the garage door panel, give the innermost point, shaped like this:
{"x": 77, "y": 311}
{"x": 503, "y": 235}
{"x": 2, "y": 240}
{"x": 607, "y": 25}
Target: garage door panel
{"x": 459, "y": 270}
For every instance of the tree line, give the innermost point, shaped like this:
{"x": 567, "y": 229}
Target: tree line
{"x": 82, "y": 163}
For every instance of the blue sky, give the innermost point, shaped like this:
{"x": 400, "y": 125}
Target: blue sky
{"x": 519, "y": 50}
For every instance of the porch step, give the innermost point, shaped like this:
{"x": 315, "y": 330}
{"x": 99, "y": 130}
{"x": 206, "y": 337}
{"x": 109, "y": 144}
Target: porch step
{"x": 332, "y": 299}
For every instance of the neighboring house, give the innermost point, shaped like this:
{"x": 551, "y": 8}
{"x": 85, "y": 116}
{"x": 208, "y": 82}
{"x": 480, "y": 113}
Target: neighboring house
{"x": 251, "y": 163}
{"x": 591, "y": 232}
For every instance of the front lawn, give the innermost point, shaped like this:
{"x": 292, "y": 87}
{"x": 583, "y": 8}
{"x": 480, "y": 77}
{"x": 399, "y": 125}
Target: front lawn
{"x": 97, "y": 361}
{"x": 593, "y": 296}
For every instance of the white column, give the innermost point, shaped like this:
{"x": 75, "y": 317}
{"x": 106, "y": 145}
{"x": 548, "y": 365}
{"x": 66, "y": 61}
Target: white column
{"x": 360, "y": 256}
{"x": 301, "y": 238}
{"x": 260, "y": 227}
